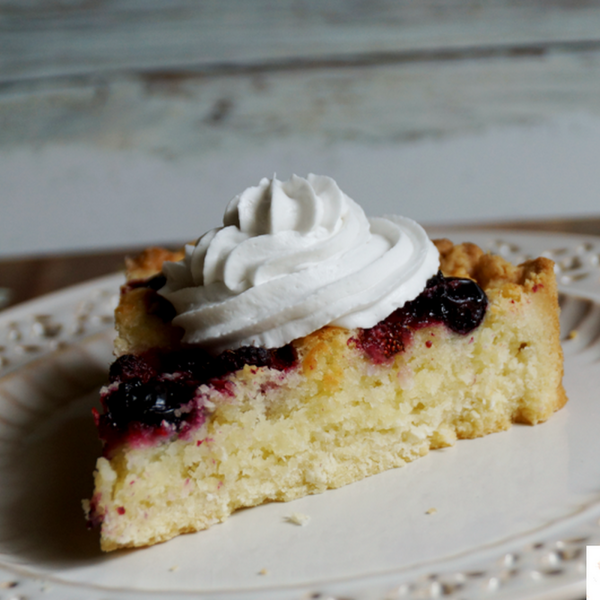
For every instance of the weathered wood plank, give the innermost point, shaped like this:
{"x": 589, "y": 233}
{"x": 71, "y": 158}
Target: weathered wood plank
{"x": 106, "y": 161}
{"x": 38, "y": 38}
{"x": 183, "y": 113}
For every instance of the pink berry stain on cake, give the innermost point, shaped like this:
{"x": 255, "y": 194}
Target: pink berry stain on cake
{"x": 459, "y": 304}
{"x": 154, "y": 397}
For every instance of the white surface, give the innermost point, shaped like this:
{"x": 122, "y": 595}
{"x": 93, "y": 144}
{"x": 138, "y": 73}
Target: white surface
{"x": 515, "y": 510}
{"x": 592, "y": 573}
{"x": 76, "y": 196}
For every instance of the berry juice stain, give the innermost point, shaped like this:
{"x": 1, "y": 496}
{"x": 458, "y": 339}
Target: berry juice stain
{"x": 152, "y": 396}
{"x": 459, "y": 304}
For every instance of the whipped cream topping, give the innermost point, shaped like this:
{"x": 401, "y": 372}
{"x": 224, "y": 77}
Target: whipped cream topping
{"x": 293, "y": 257}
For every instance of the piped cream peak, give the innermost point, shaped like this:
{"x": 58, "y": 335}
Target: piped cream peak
{"x": 290, "y": 258}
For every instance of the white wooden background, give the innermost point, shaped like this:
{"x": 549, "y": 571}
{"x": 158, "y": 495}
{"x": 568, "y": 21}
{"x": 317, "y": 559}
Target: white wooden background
{"x": 134, "y": 122}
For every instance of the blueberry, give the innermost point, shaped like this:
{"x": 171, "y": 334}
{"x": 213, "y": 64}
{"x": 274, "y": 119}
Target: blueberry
{"x": 129, "y": 366}
{"x": 463, "y": 305}
{"x": 460, "y": 304}
{"x": 154, "y": 387}
{"x": 150, "y": 403}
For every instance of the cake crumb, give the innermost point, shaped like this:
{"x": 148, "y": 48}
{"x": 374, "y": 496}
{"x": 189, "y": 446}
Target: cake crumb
{"x": 174, "y": 568}
{"x": 573, "y": 334}
{"x": 299, "y": 519}
{"x": 431, "y": 511}
{"x": 263, "y": 572}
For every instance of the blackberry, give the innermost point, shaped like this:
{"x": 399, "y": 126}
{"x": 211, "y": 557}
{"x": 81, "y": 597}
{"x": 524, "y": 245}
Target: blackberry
{"x": 150, "y": 403}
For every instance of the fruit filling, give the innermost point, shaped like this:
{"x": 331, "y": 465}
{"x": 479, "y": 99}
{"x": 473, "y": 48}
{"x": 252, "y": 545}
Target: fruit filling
{"x": 459, "y": 304}
{"x": 156, "y": 394}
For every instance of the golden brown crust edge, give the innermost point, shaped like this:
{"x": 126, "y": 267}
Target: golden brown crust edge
{"x": 533, "y": 281}
{"x": 139, "y": 320}
{"x": 149, "y": 262}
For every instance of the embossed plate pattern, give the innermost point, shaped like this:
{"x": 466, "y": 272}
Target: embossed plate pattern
{"x": 513, "y": 511}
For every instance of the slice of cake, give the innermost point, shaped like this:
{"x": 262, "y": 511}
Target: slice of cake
{"x": 302, "y": 347}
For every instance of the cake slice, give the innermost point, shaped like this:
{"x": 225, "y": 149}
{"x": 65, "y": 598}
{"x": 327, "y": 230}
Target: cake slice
{"x": 193, "y": 432}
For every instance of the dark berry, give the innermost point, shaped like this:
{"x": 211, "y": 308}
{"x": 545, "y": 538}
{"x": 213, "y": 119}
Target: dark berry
{"x": 277, "y": 358}
{"x": 159, "y": 306}
{"x": 283, "y": 358}
{"x": 460, "y": 304}
{"x": 156, "y": 282}
{"x": 150, "y": 403}
{"x": 154, "y": 388}
{"x": 153, "y": 283}
{"x": 191, "y": 363}
{"x": 129, "y": 366}
{"x": 464, "y": 305}
{"x": 200, "y": 366}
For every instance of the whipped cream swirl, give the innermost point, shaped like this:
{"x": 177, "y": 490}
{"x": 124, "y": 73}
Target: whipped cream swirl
{"x": 293, "y": 257}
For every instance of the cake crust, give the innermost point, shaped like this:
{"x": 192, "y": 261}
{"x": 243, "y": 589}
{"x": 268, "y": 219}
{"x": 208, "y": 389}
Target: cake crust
{"x": 336, "y": 417}
{"x": 149, "y": 262}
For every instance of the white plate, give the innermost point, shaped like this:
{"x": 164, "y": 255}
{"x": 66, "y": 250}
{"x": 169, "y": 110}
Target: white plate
{"x": 514, "y": 510}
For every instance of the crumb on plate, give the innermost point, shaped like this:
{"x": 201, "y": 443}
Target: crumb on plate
{"x": 298, "y": 519}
